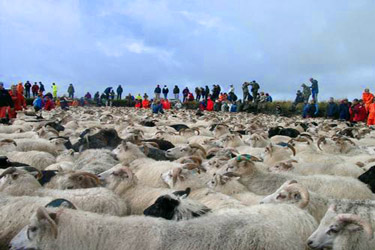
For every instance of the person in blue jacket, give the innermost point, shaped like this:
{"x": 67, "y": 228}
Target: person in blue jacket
{"x": 344, "y": 110}
{"x": 332, "y": 109}
{"x": 157, "y": 107}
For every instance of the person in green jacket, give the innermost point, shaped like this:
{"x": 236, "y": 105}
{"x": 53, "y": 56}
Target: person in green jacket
{"x": 306, "y": 93}
{"x": 71, "y": 91}
{"x": 54, "y": 90}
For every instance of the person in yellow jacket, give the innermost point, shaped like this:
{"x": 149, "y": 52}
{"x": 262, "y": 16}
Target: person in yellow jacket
{"x": 54, "y": 90}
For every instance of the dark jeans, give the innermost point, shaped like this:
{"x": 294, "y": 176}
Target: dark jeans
{"x": 71, "y": 95}
{"x": 119, "y": 96}
{"x": 27, "y": 93}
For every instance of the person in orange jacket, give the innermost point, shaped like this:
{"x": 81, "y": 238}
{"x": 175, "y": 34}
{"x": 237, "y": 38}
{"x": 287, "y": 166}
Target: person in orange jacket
{"x": 371, "y": 116}
{"x": 367, "y": 98}
{"x": 145, "y": 104}
{"x": 20, "y": 88}
{"x": 210, "y": 104}
{"x": 18, "y": 100}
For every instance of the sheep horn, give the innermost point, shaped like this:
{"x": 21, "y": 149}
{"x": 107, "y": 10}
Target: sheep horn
{"x": 42, "y": 213}
{"x": 292, "y": 148}
{"x": 8, "y": 171}
{"x": 348, "y": 140}
{"x": 197, "y": 129}
{"x": 175, "y": 173}
{"x": 32, "y": 169}
{"x": 9, "y": 141}
{"x": 197, "y": 146}
{"x": 193, "y": 158}
{"x": 213, "y": 151}
{"x": 128, "y": 172}
{"x": 321, "y": 139}
{"x": 307, "y": 136}
{"x": 231, "y": 174}
{"x": 355, "y": 219}
{"x": 182, "y": 131}
{"x": 305, "y": 197}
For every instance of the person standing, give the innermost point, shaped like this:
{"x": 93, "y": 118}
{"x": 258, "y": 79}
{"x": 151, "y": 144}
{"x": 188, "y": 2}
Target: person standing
{"x": 358, "y": 111}
{"x": 18, "y": 101}
{"x": 6, "y": 101}
{"x": 207, "y": 92}
{"x": 157, "y": 92}
{"x": 20, "y": 89}
{"x": 71, "y": 91}
{"x": 371, "y": 116}
{"x": 165, "y": 92}
{"x": 119, "y": 91}
{"x": 306, "y": 93}
{"x": 254, "y": 90}
{"x": 107, "y": 92}
{"x": 314, "y": 89}
{"x": 197, "y": 93}
{"x": 332, "y": 109}
{"x": 27, "y": 89}
{"x": 344, "y": 110}
{"x": 185, "y": 93}
{"x": 35, "y": 89}
{"x": 176, "y": 92}
{"x": 111, "y": 98}
{"x": 367, "y": 98}
{"x": 245, "y": 90}
{"x": 41, "y": 87}
{"x": 54, "y": 90}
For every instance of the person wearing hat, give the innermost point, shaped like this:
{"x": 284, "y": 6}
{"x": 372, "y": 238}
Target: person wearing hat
{"x": 6, "y": 101}
{"x": 367, "y": 98}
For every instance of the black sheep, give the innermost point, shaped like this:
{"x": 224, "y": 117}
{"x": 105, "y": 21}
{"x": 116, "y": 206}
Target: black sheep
{"x": 178, "y": 127}
{"x": 163, "y": 144}
{"x": 5, "y": 163}
{"x": 291, "y": 132}
{"x": 369, "y": 178}
{"x": 105, "y": 138}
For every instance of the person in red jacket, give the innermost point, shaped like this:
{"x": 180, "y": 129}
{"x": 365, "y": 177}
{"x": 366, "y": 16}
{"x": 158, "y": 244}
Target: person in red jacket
{"x": 358, "y": 111}
{"x": 210, "y": 104}
{"x": 145, "y": 104}
{"x": 138, "y": 104}
{"x": 49, "y": 105}
{"x": 166, "y": 104}
{"x": 18, "y": 100}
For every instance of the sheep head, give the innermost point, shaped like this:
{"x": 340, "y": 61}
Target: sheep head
{"x": 335, "y": 228}
{"x": 290, "y": 192}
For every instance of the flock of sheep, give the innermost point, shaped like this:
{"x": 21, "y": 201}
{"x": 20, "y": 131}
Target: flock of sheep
{"x": 122, "y": 178}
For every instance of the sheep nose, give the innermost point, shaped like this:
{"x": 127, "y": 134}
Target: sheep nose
{"x": 309, "y": 243}
{"x": 262, "y": 202}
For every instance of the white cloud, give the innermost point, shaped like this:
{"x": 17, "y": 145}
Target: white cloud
{"x": 201, "y": 19}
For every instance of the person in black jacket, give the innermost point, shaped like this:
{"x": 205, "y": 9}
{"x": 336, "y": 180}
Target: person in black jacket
{"x": 27, "y": 89}
{"x": 6, "y": 102}
{"x": 119, "y": 92}
{"x": 332, "y": 109}
{"x": 41, "y": 87}
{"x": 165, "y": 92}
{"x": 157, "y": 92}
{"x": 176, "y": 92}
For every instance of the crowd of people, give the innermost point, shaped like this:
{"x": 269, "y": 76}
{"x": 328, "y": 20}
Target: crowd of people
{"x": 213, "y": 99}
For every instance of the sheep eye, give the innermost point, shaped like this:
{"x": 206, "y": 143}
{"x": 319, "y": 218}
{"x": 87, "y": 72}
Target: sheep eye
{"x": 14, "y": 176}
{"x": 277, "y": 166}
{"x": 332, "y": 231}
{"x": 33, "y": 229}
{"x": 281, "y": 197}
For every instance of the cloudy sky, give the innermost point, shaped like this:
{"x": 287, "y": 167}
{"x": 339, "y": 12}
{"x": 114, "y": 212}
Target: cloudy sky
{"x": 281, "y": 44}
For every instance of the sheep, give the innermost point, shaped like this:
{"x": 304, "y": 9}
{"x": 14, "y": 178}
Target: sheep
{"x": 15, "y": 128}
{"x": 53, "y": 146}
{"x": 100, "y": 200}
{"x": 277, "y": 153}
{"x": 176, "y": 206}
{"x": 15, "y": 214}
{"x": 95, "y": 161}
{"x": 188, "y": 150}
{"x": 230, "y": 186}
{"x": 293, "y": 133}
{"x": 339, "y": 231}
{"x": 258, "y": 141}
{"x": 21, "y": 135}
{"x": 179, "y": 178}
{"x": 37, "y": 159}
{"x": 72, "y": 180}
{"x": 292, "y": 166}
{"x": 292, "y": 192}
{"x": 71, "y": 229}
{"x": 264, "y": 183}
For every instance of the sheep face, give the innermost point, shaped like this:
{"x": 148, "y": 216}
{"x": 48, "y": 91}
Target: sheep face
{"x": 163, "y": 207}
{"x": 126, "y": 152}
{"x": 337, "y": 228}
{"x": 281, "y": 167}
{"x": 17, "y": 182}
{"x": 43, "y": 224}
{"x": 219, "y": 180}
{"x": 118, "y": 179}
{"x": 257, "y": 141}
{"x": 178, "y": 152}
{"x": 291, "y": 193}
{"x": 237, "y": 167}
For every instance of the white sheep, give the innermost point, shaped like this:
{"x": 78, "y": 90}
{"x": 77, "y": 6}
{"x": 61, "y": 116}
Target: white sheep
{"x": 265, "y": 229}
{"x": 37, "y": 159}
